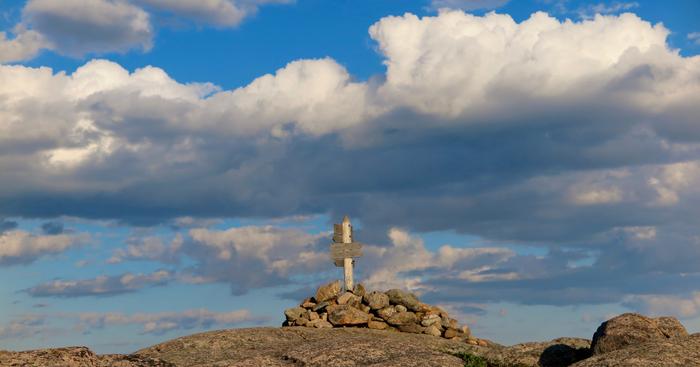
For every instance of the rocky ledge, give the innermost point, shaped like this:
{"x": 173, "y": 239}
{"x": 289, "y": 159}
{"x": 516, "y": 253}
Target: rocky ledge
{"x": 629, "y": 340}
{"x": 394, "y": 310}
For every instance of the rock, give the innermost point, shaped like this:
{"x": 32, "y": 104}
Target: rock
{"x": 376, "y": 300}
{"x": 283, "y": 347}
{"x": 386, "y": 312}
{"x": 406, "y": 299}
{"x": 466, "y": 331}
{"x": 365, "y": 308}
{"x": 449, "y": 323}
{"x": 450, "y": 333}
{"x": 402, "y": 318}
{"x": 631, "y": 329}
{"x": 313, "y": 316}
{"x": 400, "y": 308}
{"x": 669, "y": 352}
{"x": 76, "y": 357}
{"x": 321, "y": 306}
{"x": 411, "y": 328}
{"x": 319, "y": 324}
{"x": 377, "y": 325}
{"x": 324, "y": 316}
{"x": 344, "y": 315}
{"x": 295, "y": 314}
{"x": 346, "y": 298}
{"x": 482, "y": 343}
{"x": 308, "y": 304}
{"x": 555, "y": 353}
{"x": 430, "y": 320}
{"x": 328, "y": 291}
{"x": 359, "y": 290}
{"x": 432, "y": 330}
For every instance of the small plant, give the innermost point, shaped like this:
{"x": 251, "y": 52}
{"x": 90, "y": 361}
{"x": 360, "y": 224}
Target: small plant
{"x": 471, "y": 360}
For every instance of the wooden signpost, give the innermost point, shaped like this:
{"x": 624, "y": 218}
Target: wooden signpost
{"x": 343, "y": 250}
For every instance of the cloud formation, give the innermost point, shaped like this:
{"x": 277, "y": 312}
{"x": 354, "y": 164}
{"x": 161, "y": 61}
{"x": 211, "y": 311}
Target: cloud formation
{"x": 21, "y": 247}
{"x": 580, "y": 138}
{"x": 100, "y": 286}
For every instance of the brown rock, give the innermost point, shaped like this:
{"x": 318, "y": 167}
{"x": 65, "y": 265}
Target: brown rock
{"x": 482, "y": 343}
{"x": 411, "y": 328}
{"x": 377, "y": 325}
{"x": 319, "y": 324}
{"x": 402, "y": 318}
{"x": 376, "y": 300}
{"x": 359, "y": 290}
{"x": 313, "y": 316}
{"x": 466, "y": 331}
{"x": 386, "y": 312}
{"x": 76, "y": 357}
{"x": 450, "y": 333}
{"x": 346, "y": 298}
{"x": 344, "y": 315}
{"x": 400, "y": 308}
{"x": 432, "y": 330}
{"x": 328, "y": 291}
{"x": 320, "y": 307}
{"x": 430, "y": 320}
{"x": 631, "y": 329}
{"x": 668, "y": 352}
{"x": 295, "y": 314}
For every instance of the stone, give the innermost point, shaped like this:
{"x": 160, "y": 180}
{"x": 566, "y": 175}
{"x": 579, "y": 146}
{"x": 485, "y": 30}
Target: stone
{"x": 359, "y": 290}
{"x": 482, "y": 343}
{"x": 449, "y": 322}
{"x": 386, "y": 312}
{"x": 295, "y": 314}
{"x": 321, "y": 306}
{"x": 324, "y": 316}
{"x": 376, "y": 300}
{"x": 328, "y": 291}
{"x": 319, "y": 324}
{"x": 430, "y": 320}
{"x": 411, "y": 328}
{"x": 406, "y": 299}
{"x": 466, "y": 331}
{"x": 432, "y": 330}
{"x": 377, "y": 325}
{"x": 631, "y": 329}
{"x": 450, "y": 333}
{"x": 400, "y": 308}
{"x": 344, "y": 315}
{"x": 471, "y": 341}
{"x": 346, "y": 298}
{"x": 313, "y": 316}
{"x": 669, "y": 352}
{"x": 365, "y": 308}
{"x": 402, "y": 318}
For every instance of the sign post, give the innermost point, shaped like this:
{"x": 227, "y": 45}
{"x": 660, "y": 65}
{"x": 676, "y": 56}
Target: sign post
{"x": 343, "y": 250}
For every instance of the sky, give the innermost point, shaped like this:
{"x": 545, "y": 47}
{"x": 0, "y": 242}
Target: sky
{"x": 174, "y": 166}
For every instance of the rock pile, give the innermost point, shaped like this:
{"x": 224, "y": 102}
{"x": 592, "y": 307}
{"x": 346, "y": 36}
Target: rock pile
{"x": 394, "y": 310}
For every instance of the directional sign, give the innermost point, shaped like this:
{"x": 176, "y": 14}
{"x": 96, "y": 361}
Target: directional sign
{"x": 341, "y": 251}
{"x": 338, "y": 233}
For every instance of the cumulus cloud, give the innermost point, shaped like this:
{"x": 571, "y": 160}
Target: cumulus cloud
{"x": 100, "y": 286}
{"x": 664, "y": 305}
{"x": 21, "y": 247}
{"x": 577, "y": 137}
{"x": 160, "y": 323}
{"x": 149, "y": 248}
{"x": 23, "y": 45}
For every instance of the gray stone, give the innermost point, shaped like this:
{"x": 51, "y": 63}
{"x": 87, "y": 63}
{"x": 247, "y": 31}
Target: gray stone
{"x": 328, "y": 291}
{"x": 400, "y": 308}
{"x": 344, "y": 315}
{"x": 359, "y": 290}
{"x": 631, "y": 329}
{"x": 386, "y": 312}
{"x": 432, "y": 330}
{"x": 411, "y": 328}
{"x": 430, "y": 320}
{"x": 406, "y": 299}
{"x": 376, "y": 300}
{"x": 296, "y": 313}
{"x": 321, "y": 306}
{"x": 346, "y": 298}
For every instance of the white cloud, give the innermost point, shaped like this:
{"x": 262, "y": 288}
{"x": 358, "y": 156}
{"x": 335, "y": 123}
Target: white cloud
{"x": 222, "y": 13}
{"x": 591, "y": 10}
{"x": 667, "y": 305}
{"x": 467, "y": 4}
{"x": 159, "y": 323}
{"x": 23, "y": 46}
{"x": 20, "y": 247}
{"x": 596, "y": 196}
{"x": 149, "y": 248}
{"x": 694, "y": 37}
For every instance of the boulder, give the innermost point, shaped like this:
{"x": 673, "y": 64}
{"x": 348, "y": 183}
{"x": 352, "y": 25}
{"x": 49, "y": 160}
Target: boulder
{"x": 411, "y": 328}
{"x": 402, "y": 318}
{"x": 359, "y": 290}
{"x": 328, "y": 291}
{"x": 430, "y": 320}
{"x": 432, "y": 330}
{"x": 386, "y": 312}
{"x": 376, "y": 300}
{"x": 296, "y": 314}
{"x": 319, "y": 324}
{"x": 400, "y": 308}
{"x": 406, "y": 299}
{"x": 346, "y": 298}
{"x": 344, "y": 315}
{"x": 668, "y": 352}
{"x": 450, "y": 333}
{"x": 631, "y": 329}
{"x": 321, "y": 306}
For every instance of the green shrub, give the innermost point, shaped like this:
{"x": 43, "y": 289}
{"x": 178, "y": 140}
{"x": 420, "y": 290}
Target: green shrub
{"x": 471, "y": 360}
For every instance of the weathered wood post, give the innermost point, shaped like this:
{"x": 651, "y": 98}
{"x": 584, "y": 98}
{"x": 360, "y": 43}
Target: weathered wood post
{"x": 343, "y": 250}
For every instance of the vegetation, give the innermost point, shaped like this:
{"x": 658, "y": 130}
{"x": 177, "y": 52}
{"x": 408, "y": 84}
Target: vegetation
{"x": 471, "y": 360}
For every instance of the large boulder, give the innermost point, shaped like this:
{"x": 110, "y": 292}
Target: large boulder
{"x": 345, "y": 315}
{"x": 295, "y": 314}
{"x": 669, "y": 352}
{"x": 402, "y": 318}
{"x": 328, "y": 291}
{"x": 376, "y": 300}
{"x": 632, "y": 329}
{"x": 403, "y": 298}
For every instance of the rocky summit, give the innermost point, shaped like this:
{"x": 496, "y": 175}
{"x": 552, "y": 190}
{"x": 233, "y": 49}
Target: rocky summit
{"x": 628, "y": 340}
{"x": 395, "y": 310}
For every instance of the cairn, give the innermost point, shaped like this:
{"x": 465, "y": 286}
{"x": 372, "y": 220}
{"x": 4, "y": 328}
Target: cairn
{"x": 393, "y": 311}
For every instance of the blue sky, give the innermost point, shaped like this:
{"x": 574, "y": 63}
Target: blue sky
{"x": 168, "y": 167}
